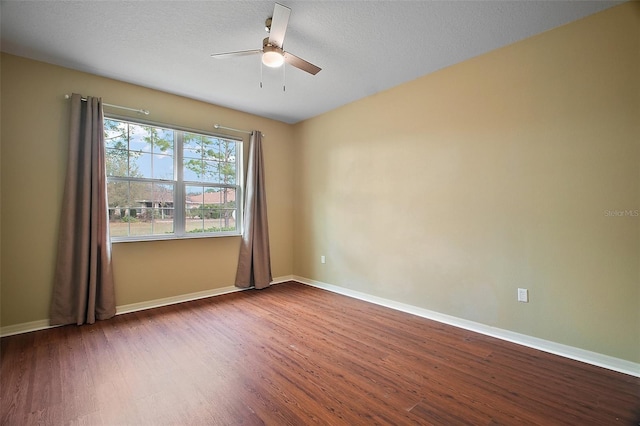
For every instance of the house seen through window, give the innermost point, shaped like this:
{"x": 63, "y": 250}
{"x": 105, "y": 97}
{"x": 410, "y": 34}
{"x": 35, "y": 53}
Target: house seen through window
{"x": 170, "y": 183}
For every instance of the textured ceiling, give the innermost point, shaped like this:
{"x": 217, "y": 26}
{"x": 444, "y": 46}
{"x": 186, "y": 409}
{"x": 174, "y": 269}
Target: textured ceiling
{"x": 363, "y": 47}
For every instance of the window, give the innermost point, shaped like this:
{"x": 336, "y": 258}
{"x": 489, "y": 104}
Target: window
{"x": 167, "y": 183}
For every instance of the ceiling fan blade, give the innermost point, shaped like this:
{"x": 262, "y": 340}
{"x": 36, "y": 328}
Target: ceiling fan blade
{"x": 279, "y": 23}
{"x": 301, "y": 63}
{"x": 239, "y": 53}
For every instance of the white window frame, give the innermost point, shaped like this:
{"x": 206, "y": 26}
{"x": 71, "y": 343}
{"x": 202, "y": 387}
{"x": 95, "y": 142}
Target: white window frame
{"x": 180, "y": 184}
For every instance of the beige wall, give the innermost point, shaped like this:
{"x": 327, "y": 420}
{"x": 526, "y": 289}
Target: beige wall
{"x": 453, "y": 190}
{"x": 34, "y": 143}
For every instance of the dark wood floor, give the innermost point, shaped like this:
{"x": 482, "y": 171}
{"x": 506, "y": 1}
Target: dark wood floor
{"x": 295, "y": 355}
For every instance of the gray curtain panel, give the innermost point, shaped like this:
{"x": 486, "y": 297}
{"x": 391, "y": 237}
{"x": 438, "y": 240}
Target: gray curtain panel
{"x": 83, "y": 287}
{"x": 254, "y": 263}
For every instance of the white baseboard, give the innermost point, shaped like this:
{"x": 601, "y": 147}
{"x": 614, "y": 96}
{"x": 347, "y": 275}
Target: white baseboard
{"x": 141, "y": 306}
{"x": 133, "y": 307}
{"x": 283, "y": 279}
{"x": 27, "y": 327}
{"x": 594, "y": 358}
{"x": 24, "y": 327}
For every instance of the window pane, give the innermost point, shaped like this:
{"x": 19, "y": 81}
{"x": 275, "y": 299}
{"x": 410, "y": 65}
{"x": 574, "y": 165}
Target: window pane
{"x": 117, "y": 162}
{"x": 139, "y": 138}
{"x": 161, "y": 211}
{"x": 210, "y": 171}
{"x": 151, "y": 166}
{"x": 228, "y": 151}
{"x": 192, "y": 145}
{"x": 162, "y": 167}
{"x": 119, "y": 213}
{"x": 117, "y": 228}
{"x": 194, "y": 212}
{"x": 140, "y": 228}
{"x": 140, "y": 165}
{"x": 163, "y": 141}
{"x": 194, "y": 195}
{"x": 227, "y": 173}
{"x": 163, "y": 157}
{"x": 123, "y": 214}
{"x": 115, "y": 134}
{"x": 118, "y": 194}
{"x": 193, "y": 169}
{"x": 137, "y": 208}
{"x": 228, "y": 210}
{"x": 210, "y": 209}
{"x": 211, "y": 148}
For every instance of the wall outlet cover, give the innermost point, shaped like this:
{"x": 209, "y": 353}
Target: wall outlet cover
{"x": 523, "y": 295}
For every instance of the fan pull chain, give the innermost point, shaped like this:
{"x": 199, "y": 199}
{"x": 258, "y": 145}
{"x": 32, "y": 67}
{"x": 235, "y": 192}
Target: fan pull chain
{"x": 284, "y": 77}
{"x": 261, "y": 66}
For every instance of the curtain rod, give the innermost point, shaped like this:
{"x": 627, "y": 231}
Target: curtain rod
{"x": 217, "y": 126}
{"x": 141, "y": 111}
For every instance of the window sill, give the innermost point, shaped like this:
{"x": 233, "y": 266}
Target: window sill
{"x": 118, "y": 240}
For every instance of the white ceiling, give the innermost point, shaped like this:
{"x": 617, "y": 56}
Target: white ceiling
{"x": 363, "y": 47}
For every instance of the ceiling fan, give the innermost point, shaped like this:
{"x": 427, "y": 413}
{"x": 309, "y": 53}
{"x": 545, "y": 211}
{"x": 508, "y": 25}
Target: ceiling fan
{"x": 272, "y": 51}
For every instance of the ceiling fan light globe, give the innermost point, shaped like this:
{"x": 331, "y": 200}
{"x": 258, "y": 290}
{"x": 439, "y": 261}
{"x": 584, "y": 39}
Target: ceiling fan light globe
{"x": 272, "y": 59}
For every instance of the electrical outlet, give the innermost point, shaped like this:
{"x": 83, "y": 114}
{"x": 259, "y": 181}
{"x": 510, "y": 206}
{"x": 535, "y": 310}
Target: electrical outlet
{"x": 323, "y": 259}
{"x": 523, "y": 295}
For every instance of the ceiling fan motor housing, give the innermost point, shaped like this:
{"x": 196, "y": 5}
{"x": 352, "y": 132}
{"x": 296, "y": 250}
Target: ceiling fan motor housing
{"x": 268, "y": 47}
{"x": 273, "y": 56}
